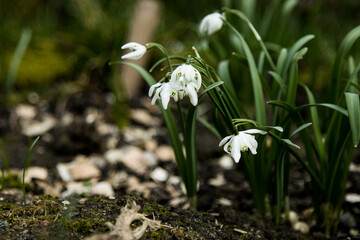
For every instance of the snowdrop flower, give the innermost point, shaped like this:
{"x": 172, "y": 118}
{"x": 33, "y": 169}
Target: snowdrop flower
{"x": 242, "y": 142}
{"x": 163, "y": 91}
{"x": 186, "y": 80}
{"x": 137, "y": 51}
{"x": 211, "y": 23}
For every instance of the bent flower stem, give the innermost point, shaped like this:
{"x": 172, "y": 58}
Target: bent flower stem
{"x": 242, "y": 142}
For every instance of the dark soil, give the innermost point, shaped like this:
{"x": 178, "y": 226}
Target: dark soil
{"x": 47, "y": 217}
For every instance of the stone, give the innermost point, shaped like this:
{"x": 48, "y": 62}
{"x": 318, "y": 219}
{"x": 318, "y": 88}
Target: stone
{"x": 118, "y": 179}
{"x": 82, "y": 169}
{"x": 102, "y": 188}
{"x": 159, "y": 175}
{"x": 352, "y": 197}
{"x": 64, "y": 172}
{"x": 74, "y": 188}
{"x": 38, "y": 128}
{"x": 98, "y": 160}
{"x": 226, "y": 162}
{"x": 36, "y": 172}
{"x": 293, "y": 218}
{"x": 348, "y": 220}
{"x": 138, "y": 136}
{"x": 133, "y": 158}
{"x": 114, "y": 156}
{"x": 218, "y": 181}
{"x": 165, "y": 153}
{"x": 151, "y": 145}
{"x": 174, "y": 180}
{"x": 25, "y": 111}
{"x": 143, "y": 117}
{"x": 225, "y": 202}
{"x": 50, "y": 189}
{"x": 301, "y": 227}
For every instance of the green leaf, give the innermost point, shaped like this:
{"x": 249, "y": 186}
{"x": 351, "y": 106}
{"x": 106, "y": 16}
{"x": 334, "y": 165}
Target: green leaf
{"x": 305, "y": 125}
{"x": 17, "y": 57}
{"x": 282, "y": 104}
{"x": 328, "y": 105}
{"x": 255, "y": 79}
{"x": 211, "y": 86}
{"x": 346, "y": 45}
{"x": 190, "y": 147}
{"x": 279, "y": 80}
{"x": 316, "y": 124}
{"x": 290, "y": 143}
{"x": 292, "y": 51}
{"x": 165, "y": 59}
{"x": 353, "y": 108}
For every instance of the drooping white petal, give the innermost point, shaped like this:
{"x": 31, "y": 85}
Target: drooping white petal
{"x": 224, "y": 140}
{"x": 236, "y": 149}
{"x": 254, "y": 131}
{"x": 137, "y": 51}
{"x": 156, "y": 95}
{"x": 165, "y": 95}
{"x": 252, "y": 144}
{"x": 228, "y": 146}
{"x": 152, "y": 88}
{"x": 192, "y": 94}
{"x": 189, "y": 72}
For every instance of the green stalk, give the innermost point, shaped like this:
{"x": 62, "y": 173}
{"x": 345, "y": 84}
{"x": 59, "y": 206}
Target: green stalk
{"x": 242, "y": 16}
{"x": 257, "y": 87}
{"x": 26, "y": 165}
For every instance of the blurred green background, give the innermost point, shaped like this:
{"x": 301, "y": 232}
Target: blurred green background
{"x": 74, "y": 39}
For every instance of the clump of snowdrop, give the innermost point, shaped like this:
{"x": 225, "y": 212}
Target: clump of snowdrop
{"x": 185, "y": 80}
{"x": 137, "y": 51}
{"x": 242, "y": 142}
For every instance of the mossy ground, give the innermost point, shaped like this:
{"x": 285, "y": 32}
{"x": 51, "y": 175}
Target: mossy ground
{"x": 78, "y": 217}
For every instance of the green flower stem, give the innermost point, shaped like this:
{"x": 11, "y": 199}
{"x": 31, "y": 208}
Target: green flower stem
{"x": 181, "y": 117}
{"x": 242, "y": 16}
{"x": 163, "y": 50}
{"x": 256, "y": 82}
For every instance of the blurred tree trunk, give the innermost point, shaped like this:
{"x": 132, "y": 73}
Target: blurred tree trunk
{"x": 142, "y": 28}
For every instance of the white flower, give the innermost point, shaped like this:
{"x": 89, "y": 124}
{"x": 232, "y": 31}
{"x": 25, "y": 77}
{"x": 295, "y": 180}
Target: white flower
{"x": 242, "y": 142}
{"x": 163, "y": 92}
{"x": 137, "y": 51}
{"x": 211, "y": 23}
{"x": 186, "y": 80}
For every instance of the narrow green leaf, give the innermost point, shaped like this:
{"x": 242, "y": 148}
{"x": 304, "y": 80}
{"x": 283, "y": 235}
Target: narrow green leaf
{"x": 165, "y": 59}
{"x": 279, "y": 80}
{"x": 316, "y": 124}
{"x": 255, "y": 78}
{"x": 290, "y": 143}
{"x": 190, "y": 147}
{"x": 300, "y": 128}
{"x": 292, "y": 51}
{"x": 353, "y": 108}
{"x": 327, "y": 105}
{"x": 282, "y": 104}
{"x": 211, "y": 86}
{"x": 17, "y": 57}
{"x": 341, "y": 56}
{"x": 281, "y": 60}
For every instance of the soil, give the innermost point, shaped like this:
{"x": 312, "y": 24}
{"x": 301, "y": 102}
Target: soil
{"x": 81, "y": 216}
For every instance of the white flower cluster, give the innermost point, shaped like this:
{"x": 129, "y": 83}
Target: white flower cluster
{"x": 184, "y": 81}
{"x": 242, "y": 142}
